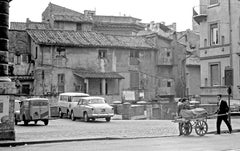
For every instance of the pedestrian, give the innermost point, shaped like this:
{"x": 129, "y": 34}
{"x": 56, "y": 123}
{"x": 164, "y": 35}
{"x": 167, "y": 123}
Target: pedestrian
{"x": 222, "y": 114}
{"x": 182, "y": 105}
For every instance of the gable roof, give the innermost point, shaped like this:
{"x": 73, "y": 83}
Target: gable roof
{"x": 87, "y": 39}
{"x": 59, "y": 10}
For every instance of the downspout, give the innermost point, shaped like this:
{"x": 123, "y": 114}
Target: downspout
{"x": 230, "y": 51}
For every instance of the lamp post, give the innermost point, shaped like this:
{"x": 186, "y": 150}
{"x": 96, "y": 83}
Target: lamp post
{"x": 7, "y": 88}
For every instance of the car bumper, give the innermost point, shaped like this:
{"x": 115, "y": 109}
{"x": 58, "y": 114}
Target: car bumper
{"x": 101, "y": 115}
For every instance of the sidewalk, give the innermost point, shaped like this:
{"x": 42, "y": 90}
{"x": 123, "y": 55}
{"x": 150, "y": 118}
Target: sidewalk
{"x": 116, "y": 129}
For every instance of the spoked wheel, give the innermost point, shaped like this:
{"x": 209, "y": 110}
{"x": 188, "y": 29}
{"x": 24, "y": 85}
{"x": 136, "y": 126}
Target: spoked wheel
{"x": 186, "y": 128}
{"x": 201, "y": 128}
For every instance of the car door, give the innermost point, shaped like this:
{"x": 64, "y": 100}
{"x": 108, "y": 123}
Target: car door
{"x": 76, "y": 109}
{"x": 82, "y": 107}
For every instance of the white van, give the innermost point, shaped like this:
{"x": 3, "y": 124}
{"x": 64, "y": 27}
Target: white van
{"x": 66, "y": 101}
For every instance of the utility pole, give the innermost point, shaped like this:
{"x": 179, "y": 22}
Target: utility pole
{"x": 7, "y": 88}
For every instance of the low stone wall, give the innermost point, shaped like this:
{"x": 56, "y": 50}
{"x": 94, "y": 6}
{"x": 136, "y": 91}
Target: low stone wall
{"x": 161, "y": 111}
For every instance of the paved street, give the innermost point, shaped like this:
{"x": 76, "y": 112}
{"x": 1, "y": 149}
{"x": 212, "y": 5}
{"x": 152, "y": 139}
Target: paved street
{"x": 211, "y": 142}
{"x": 67, "y": 129}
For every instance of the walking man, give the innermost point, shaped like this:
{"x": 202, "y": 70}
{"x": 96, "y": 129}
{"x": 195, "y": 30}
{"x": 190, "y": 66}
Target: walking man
{"x": 222, "y": 114}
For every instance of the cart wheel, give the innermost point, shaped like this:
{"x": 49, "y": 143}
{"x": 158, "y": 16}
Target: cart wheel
{"x": 186, "y": 128}
{"x": 201, "y": 128}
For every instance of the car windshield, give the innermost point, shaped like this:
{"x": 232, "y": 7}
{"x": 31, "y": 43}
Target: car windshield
{"x": 96, "y": 101}
{"x": 76, "y": 98}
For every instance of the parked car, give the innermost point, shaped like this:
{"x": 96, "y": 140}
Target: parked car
{"x": 66, "y": 101}
{"x": 91, "y": 108}
{"x": 235, "y": 107}
{"x": 33, "y": 109}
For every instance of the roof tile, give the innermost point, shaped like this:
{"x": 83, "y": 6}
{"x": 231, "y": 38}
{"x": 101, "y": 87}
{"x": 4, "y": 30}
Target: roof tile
{"x": 80, "y": 39}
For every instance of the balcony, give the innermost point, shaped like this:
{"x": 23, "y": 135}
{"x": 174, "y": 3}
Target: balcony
{"x": 200, "y": 13}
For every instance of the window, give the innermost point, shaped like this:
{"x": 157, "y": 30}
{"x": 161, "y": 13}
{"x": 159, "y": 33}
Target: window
{"x": 214, "y": 34}
{"x": 223, "y": 40}
{"x": 19, "y": 59}
{"x": 79, "y": 27}
{"x": 102, "y": 54}
{"x": 168, "y": 54}
{"x": 215, "y": 74}
{"x": 11, "y": 57}
{"x": 168, "y": 84}
{"x": 25, "y": 58}
{"x": 36, "y": 52}
{"x": 61, "y": 52}
{"x": 134, "y": 57}
{"x": 25, "y": 89}
{"x": 61, "y": 82}
{"x": 134, "y": 54}
{"x": 205, "y": 42}
{"x": 134, "y": 79}
{"x": 213, "y": 2}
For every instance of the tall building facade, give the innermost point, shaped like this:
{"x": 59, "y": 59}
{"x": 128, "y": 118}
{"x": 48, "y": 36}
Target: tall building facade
{"x": 219, "y": 28}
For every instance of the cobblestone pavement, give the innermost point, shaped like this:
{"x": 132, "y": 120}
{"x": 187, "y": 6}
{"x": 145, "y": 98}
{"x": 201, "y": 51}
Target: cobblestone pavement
{"x": 66, "y": 129}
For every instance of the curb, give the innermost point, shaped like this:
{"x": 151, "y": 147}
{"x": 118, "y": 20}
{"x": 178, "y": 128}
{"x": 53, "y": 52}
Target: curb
{"x": 22, "y": 143}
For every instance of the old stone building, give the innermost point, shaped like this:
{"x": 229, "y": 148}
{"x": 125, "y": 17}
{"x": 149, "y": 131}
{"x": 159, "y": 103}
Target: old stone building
{"x": 99, "y": 55}
{"x": 219, "y": 47}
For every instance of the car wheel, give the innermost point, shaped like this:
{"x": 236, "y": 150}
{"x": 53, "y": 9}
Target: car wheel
{"x": 86, "y": 119}
{"x": 108, "y": 119}
{"x": 45, "y": 122}
{"x": 72, "y": 116}
{"x": 93, "y": 119}
{"x": 60, "y": 114}
{"x": 35, "y": 122}
{"x": 25, "y": 121}
{"x": 69, "y": 115}
{"x": 16, "y": 122}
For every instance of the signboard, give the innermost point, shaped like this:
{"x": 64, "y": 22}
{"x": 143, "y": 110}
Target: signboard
{"x": 129, "y": 95}
{"x": 4, "y": 106}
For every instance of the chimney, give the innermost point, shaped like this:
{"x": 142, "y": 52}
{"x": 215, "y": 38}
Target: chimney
{"x": 89, "y": 14}
{"x": 28, "y": 21}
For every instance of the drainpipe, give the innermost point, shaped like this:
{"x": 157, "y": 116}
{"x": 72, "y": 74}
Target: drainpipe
{"x": 230, "y": 51}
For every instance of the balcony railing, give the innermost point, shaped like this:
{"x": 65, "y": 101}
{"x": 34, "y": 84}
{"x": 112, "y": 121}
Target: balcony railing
{"x": 200, "y": 13}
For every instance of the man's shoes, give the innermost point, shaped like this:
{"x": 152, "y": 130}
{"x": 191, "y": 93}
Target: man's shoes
{"x": 230, "y": 132}
{"x": 180, "y": 134}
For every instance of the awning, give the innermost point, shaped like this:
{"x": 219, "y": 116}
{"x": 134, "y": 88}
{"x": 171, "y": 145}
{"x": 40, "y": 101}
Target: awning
{"x": 98, "y": 75}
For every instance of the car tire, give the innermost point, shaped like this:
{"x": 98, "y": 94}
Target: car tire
{"x": 60, "y": 114}
{"x": 108, "y": 119}
{"x": 16, "y": 122}
{"x": 72, "y": 116}
{"x": 25, "y": 121}
{"x": 85, "y": 117}
{"x": 35, "y": 122}
{"x": 45, "y": 122}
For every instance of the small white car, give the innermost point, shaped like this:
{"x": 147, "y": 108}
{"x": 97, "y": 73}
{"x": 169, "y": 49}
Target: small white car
{"x": 92, "y": 107}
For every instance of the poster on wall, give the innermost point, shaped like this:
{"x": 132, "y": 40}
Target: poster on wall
{"x": 4, "y": 106}
{"x": 129, "y": 95}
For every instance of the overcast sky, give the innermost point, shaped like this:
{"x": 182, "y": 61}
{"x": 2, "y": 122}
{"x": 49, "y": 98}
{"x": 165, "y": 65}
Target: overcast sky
{"x": 168, "y": 11}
